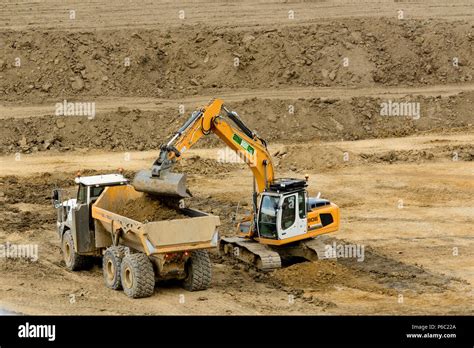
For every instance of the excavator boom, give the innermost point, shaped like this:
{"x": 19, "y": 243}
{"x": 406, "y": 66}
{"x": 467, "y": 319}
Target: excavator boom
{"x": 161, "y": 181}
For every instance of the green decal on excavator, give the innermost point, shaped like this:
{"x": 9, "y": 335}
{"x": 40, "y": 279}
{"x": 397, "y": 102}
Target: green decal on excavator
{"x": 246, "y": 146}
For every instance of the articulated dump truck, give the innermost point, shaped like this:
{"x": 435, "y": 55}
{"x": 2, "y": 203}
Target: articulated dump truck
{"x": 135, "y": 254}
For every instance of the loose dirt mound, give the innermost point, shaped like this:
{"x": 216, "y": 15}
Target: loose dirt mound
{"x": 322, "y": 157}
{"x": 35, "y": 190}
{"x": 313, "y": 119}
{"x": 377, "y": 273}
{"x": 454, "y": 153}
{"x": 14, "y": 219}
{"x": 199, "y": 165}
{"x": 314, "y": 157}
{"x": 147, "y": 208}
{"x": 318, "y": 275}
{"x": 191, "y": 60}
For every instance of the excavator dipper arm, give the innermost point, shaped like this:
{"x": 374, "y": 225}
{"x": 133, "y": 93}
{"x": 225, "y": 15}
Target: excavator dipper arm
{"x": 248, "y": 146}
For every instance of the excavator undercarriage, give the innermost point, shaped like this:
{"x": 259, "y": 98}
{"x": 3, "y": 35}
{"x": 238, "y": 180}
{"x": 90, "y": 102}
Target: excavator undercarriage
{"x": 267, "y": 257}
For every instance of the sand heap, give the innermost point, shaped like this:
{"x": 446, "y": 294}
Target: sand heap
{"x": 148, "y": 208}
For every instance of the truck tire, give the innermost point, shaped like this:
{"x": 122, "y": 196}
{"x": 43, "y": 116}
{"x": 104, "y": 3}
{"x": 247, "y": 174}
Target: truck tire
{"x": 111, "y": 262}
{"x": 74, "y": 261}
{"x": 137, "y": 276}
{"x": 198, "y": 271}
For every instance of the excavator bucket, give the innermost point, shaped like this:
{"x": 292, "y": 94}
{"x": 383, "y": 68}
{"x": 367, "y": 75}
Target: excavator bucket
{"x": 167, "y": 185}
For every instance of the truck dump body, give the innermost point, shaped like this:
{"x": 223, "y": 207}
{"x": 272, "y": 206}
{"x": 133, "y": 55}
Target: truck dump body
{"x": 197, "y": 230}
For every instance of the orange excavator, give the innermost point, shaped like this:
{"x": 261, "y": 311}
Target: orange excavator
{"x": 285, "y": 221}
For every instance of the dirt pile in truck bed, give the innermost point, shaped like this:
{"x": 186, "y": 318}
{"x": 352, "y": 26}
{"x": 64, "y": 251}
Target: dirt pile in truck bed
{"x": 147, "y": 208}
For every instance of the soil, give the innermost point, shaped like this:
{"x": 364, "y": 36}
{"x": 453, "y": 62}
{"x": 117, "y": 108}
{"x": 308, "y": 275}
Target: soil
{"x": 404, "y": 184}
{"x": 320, "y": 119}
{"x": 147, "y": 209}
{"x": 188, "y": 60}
{"x": 398, "y": 256}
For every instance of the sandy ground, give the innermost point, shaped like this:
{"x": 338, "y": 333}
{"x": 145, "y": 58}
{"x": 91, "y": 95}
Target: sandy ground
{"x": 53, "y": 15}
{"x": 405, "y": 187}
{"x": 409, "y": 250}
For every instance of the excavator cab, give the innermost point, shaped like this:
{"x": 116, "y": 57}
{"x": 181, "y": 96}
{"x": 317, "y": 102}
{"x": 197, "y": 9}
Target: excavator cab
{"x": 282, "y": 210}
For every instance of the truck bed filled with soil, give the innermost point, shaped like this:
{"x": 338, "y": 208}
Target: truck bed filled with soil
{"x": 149, "y": 208}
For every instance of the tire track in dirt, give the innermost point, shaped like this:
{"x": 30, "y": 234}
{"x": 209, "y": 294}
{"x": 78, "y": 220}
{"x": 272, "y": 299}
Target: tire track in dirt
{"x": 54, "y": 14}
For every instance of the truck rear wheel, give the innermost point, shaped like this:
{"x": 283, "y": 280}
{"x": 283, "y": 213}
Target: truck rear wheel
{"x": 199, "y": 271}
{"x": 137, "y": 276}
{"x": 74, "y": 261}
{"x": 111, "y": 262}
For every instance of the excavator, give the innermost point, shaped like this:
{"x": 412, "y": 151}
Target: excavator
{"x": 284, "y": 222}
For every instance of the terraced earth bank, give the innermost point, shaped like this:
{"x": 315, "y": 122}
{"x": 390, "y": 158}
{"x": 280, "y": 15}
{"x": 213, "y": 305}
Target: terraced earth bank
{"x": 313, "y": 86}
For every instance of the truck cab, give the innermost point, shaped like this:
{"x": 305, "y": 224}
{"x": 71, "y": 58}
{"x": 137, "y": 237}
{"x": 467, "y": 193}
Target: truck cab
{"x": 75, "y": 214}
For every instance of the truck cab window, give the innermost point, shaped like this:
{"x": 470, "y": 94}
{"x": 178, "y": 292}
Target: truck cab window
{"x": 96, "y": 191}
{"x": 82, "y": 194}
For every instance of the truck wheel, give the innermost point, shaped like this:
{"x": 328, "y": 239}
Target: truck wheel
{"x": 74, "y": 261}
{"x": 111, "y": 262}
{"x": 137, "y": 276}
{"x": 199, "y": 271}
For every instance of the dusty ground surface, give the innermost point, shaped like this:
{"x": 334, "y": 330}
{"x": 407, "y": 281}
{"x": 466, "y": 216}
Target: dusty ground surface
{"x": 409, "y": 251}
{"x": 405, "y": 185}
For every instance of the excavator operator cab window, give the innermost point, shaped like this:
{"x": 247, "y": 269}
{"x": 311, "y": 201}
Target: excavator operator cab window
{"x": 302, "y": 204}
{"x": 267, "y": 222}
{"x": 288, "y": 212}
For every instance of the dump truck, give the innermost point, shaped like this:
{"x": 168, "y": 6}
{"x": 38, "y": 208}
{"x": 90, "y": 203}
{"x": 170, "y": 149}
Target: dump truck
{"x": 135, "y": 254}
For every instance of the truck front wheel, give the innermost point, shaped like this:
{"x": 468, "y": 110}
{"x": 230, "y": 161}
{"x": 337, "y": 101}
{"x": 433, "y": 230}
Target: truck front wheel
{"x": 111, "y": 263}
{"x": 74, "y": 261}
{"x": 198, "y": 271}
{"x": 137, "y": 276}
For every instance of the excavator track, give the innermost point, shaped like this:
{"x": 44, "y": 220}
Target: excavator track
{"x": 317, "y": 245}
{"x": 251, "y": 252}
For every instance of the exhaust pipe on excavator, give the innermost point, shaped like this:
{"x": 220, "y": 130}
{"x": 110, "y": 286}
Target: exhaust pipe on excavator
{"x": 168, "y": 184}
